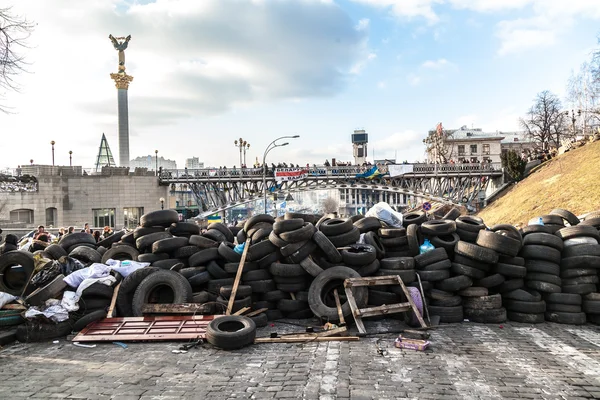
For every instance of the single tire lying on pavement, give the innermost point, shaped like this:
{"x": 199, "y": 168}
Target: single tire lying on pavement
{"x": 231, "y": 332}
{"x": 320, "y": 293}
{"x": 37, "y": 332}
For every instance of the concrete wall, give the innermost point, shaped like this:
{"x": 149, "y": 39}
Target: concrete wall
{"x": 75, "y": 197}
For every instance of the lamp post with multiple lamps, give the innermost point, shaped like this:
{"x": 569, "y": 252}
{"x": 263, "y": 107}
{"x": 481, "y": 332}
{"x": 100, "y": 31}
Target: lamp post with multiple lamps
{"x": 70, "y": 158}
{"x": 270, "y": 147}
{"x": 242, "y": 145}
{"x": 162, "y": 203}
{"x": 574, "y": 116}
{"x": 156, "y": 158}
{"x": 52, "y": 143}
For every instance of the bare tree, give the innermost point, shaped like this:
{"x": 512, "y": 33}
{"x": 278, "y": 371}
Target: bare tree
{"x": 583, "y": 94}
{"x": 329, "y": 205}
{"x": 14, "y": 31}
{"x": 546, "y": 121}
{"x": 439, "y": 146}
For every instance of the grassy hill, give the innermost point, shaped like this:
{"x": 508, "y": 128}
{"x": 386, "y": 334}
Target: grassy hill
{"x": 570, "y": 181}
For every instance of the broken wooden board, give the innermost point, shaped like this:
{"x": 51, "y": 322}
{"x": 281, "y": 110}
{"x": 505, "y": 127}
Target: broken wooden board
{"x": 238, "y": 276}
{"x": 183, "y": 308}
{"x": 330, "y": 332}
{"x": 301, "y": 339}
{"x": 159, "y": 328}
{"x": 241, "y": 311}
{"x": 256, "y": 312}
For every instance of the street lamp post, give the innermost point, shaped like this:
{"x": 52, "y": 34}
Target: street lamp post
{"x": 270, "y": 147}
{"x": 156, "y": 159}
{"x": 52, "y": 143}
{"x": 242, "y": 145}
{"x": 162, "y": 203}
{"x": 247, "y": 146}
{"x": 70, "y": 158}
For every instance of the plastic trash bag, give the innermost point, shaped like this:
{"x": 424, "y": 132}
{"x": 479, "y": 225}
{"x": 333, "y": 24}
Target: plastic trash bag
{"x": 239, "y": 248}
{"x": 70, "y": 301}
{"x": 96, "y": 270}
{"x": 125, "y": 267}
{"x": 6, "y": 298}
{"x": 52, "y": 310}
{"x": 385, "y": 213}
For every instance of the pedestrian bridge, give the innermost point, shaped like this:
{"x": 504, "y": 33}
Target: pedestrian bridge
{"x": 223, "y": 188}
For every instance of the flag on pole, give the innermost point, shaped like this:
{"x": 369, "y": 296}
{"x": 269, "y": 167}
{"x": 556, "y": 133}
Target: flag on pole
{"x": 439, "y": 129}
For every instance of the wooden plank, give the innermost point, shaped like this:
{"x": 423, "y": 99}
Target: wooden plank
{"x": 293, "y": 296}
{"x": 412, "y": 303}
{"x": 330, "y": 332}
{"x": 256, "y": 312}
{"x": 354, "y": 308}
{"x": 374, "y": 281}
{"x": 384, "y": 309}
{"x": 241, "y": 311}
{"x": 184, "y": 308}
{"x": 339, "y": 307}
{"x": 307, "y": 339}
{"x": 16, "y": 307}
{"x": 113, "y": 301}
{"x": 238, "y": 276}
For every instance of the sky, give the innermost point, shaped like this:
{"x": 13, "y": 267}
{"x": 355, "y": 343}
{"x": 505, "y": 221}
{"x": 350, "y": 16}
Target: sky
{"x": 209, "y": 72}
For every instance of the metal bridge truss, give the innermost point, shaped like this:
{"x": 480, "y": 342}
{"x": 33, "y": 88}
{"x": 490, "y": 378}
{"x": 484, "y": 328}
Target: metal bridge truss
{"x": 215, "y": 194}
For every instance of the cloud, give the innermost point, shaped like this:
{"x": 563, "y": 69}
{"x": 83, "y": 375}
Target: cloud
{"x": 406, "y": 145}
{"x": 466, "y": 120}
{"x": 360, "y": 65}
{"x": 413, "y": 79}
{"x": 436, "y": 64}
{"x": 406, "y": 9}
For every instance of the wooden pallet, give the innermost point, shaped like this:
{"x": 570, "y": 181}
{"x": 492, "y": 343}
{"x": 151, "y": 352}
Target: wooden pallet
{"x": 359, "y": 313}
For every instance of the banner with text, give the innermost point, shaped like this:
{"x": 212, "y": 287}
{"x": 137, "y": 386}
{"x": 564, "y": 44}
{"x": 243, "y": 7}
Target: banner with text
{"x": 397, "y": 170}
{"x": 290, "y": 174}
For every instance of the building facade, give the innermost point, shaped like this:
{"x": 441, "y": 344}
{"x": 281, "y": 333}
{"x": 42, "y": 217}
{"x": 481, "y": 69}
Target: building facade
{"x": 193, "y": 163}
{"x": 150, "y": 163}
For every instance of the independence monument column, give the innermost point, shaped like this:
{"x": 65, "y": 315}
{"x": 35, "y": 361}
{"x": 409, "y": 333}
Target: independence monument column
{"x": 122, "y": 81}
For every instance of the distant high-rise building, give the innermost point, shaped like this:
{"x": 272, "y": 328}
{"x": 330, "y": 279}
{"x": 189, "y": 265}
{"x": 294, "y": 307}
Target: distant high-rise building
{"x": 105, "y": 157}
{"x": 150, "y": 163}
{"x": 193, "y": 163}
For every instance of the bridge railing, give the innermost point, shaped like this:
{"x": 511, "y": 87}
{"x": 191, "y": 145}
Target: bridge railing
{"x": 322, "y": 171}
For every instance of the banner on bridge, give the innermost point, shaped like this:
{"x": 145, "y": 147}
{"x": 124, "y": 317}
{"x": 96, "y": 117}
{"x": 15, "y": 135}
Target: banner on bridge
{"x": 397, "y": 170}
{"x": 290, "y": 174}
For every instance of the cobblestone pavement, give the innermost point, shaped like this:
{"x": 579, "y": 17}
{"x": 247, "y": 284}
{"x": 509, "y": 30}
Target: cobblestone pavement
{"x": 465, "y": 361}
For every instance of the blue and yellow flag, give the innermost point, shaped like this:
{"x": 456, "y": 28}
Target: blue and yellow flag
{"x": 370, "y": 174}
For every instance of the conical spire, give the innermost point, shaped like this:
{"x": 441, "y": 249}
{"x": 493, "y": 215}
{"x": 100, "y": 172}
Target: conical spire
{"x": 105, "y": 157}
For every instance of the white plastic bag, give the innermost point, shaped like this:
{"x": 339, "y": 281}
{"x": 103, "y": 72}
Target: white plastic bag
{"x": 126, "y": 267}
{"x": 70, "y": 301}
{"x": 52, "y": 310}
{"x": 108, "y": 280}
{"x": 6, "y": 298}
{"x": 96, "y": 270}
{"x": 385, "y": 213}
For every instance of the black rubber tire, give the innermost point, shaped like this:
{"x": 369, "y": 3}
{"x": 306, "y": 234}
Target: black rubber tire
{"x": 473, "y": 273}
{"x": 114, "y": 238}
{"x": 536, "y": 276}
{"x": 473, "y": 291}
{"x": 555, "y": 307}
{"x": 455, "y": 283}
{"x": 276, "y": 295}
{"x": 434, "y": 276}
{"x": 232, "y": 268}
{"x": 290, "y": 248}
{"x": 260, "y": 250}
{"x": 260, "y": 320}
{"x": 150, "y": 258}
{"x": 37, "y": 332}
{"x": 56, "y": 251}
{"x": 325, "y": 283}
{"x": 369, "y": 269}
{"x": 302, "y": 253}
{"x": 446, "y": 302}
{"x": 569, "y": 273}
{"x": 407, "y": 276}
{"x": 145, "y": 242}
{"x": 391, "y": 242}
{"x": 185, "y": 251}
{"x": 486, "y": 316}
{"x": 490, "y": 281}
{"x": 169, "y": 245}
{"x": 543, "y": 267}
{"x": 544, "y": 287}
{"x": 74, "y": 238}
{"x": 279, "y": 269}
{"x": 571, "y": 232}
{"x": 510, "y": 271}
{"x": 510, "y": 285}
{"x": 452, "y": 214}
{"x": 537, "y": 252}
{"x": 237, "y": 305}
{"x": 566, "y": 215}
{"x": 565, "y": 318}
{"x": 398, "y": 263}
{"x": 372, "y": 239}
{"x": 86, "y": 255}
{"x": 223, "y": 229}
{"x": 50, "y": 290}
{"x": 9, "y": 260}
{"x": 529, "y": 229}
{"x": 313, "y": 269}
{"x": 198, "y": 280}
{"x": 168, "y": 263}
{"x": 203, "y": 297}
{"x": 120, "y": 253}
{"x": 368, "y": 224}
{"x": 323, "y": 242}
{"x": 439, "y": 294}
{"x": 591, "y": 306}
{"x": 572, "y": 251}
{"x": 447, "y": 242}
{"x": 345, "y": 239}
{"x": 263, "y": 286}
{"x": 216, "y": 235}
{"x": 187, "y": 273}
{"x": 520, "y": 261}
{"x": 379, "y": 298}
{"x": 581, "y": 280}
{"x": 290, "y": 306}
{"x": 299, "y": 235}
{"x": 214, "y": 285}
{"x": 412, "y": 235}
{"x": 436, "y": 266}
{"x": 467, "y": 236}
{"x": 269, "y": 259}
{"x": 88, "y": 319}
{"x": 141, "y": 231}
{"x": 257, "y": 275}
{"x": 359, "y": 255}
{"x": 489, "y": 302}
{"x": 180, "y": 287}
{"x": 469, "y": 224}
{"x": 584, "y": 288}
{"x": 184, "y": 229}
{"x": 256, "y": 219}
{"x": 226, "y": 251}
{"x": 476, "y": 252}
{"x": 430, "y": 257}
{"x": 414, "y": 217}
{"x": 391, "y": 232}
{"x": 594, "y": 221}
{"x": 336, "y": 227}
{"x": 523, "y": 295}
{"x": 162, "y": 218}
{"x": 527, "y": 307}
{"x": 128, "y": 287}
{"x": 525, "y": 318}
{"x": 202, "y": 242}
{"x": 499, "y": 243}
{"x": 231, "y": 332}
{"x": 544, "y": 239}
{"x": 472, "y": 263}
{"x": 438, "y": 227}
{"x": 447, "y": 314}
{"x": 203, "y": 257}
{"x": 578, "y": 262}
{"x": 98, "y": 290}
{"x": 276, "y": 240}
{"x": 287, "y": 225}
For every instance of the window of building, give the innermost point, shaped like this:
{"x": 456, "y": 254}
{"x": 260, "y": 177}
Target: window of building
{"x": 51, "y": 214}
{"x": 104, "y": 217}
{"x": 461, "y": 149}
{"x": 22, "y": 215}
{"x": 131, "y": 216}
{"x": 486, "y": 149}
{"x": 473, "y": 149}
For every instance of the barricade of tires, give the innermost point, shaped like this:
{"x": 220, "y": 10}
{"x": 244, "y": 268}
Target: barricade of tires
{"x": 296, "y": 262}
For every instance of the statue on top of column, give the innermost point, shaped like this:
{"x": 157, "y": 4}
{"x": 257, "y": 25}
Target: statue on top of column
{"x": 120, "y": 47}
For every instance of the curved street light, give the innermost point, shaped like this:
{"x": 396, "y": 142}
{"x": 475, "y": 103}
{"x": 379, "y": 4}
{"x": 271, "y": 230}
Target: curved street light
{"x": 270, "y": 147}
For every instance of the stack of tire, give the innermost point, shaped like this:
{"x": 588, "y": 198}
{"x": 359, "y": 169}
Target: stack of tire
{"x": 340, "y": 232}
{"x": 591, "y": 307}
{"x": 468, "y": 226}
{"x": 441, "y": 234}
{"x": 580, "y": 259}
{"x": 394, "y": 241}
{"x": 480, "y": 306}
{"x": 391, "y": 266}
